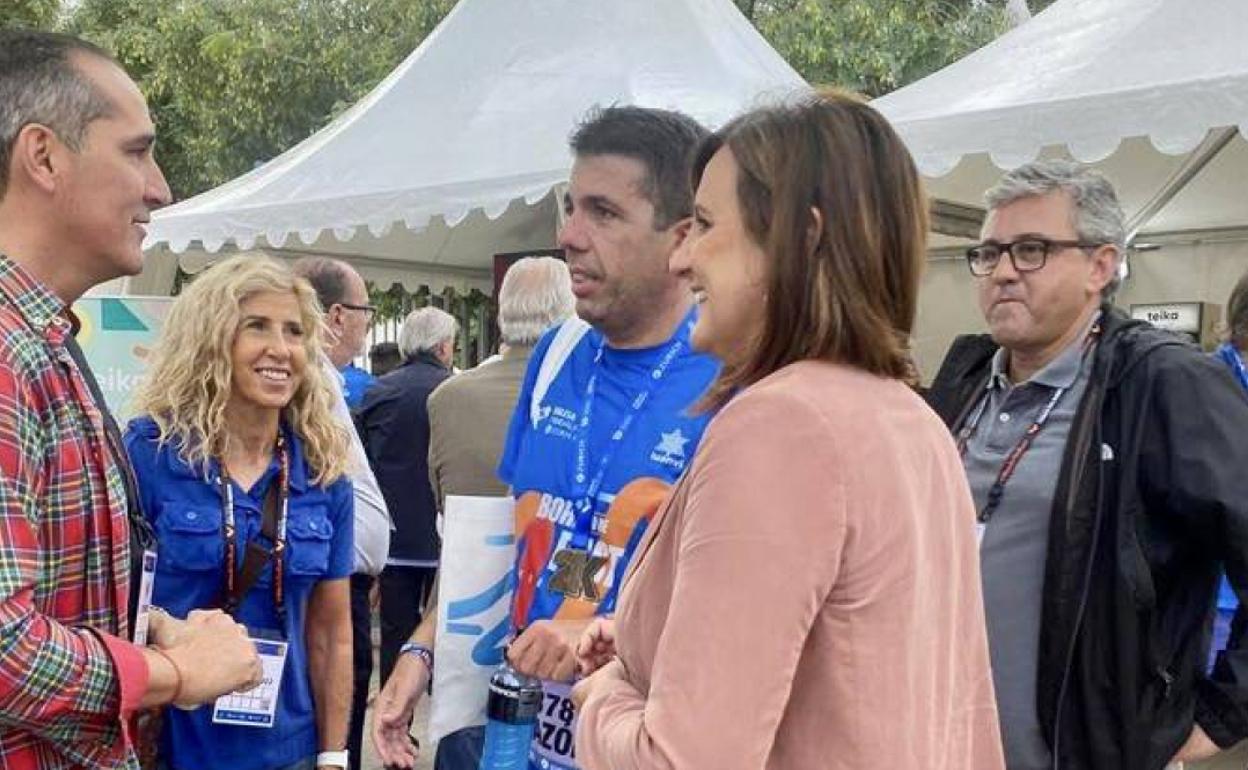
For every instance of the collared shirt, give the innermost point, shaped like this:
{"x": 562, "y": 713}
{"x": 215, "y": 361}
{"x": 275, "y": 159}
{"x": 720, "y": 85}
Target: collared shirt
{"x": 185, "y": 506}
{"x": 1015, "y": 544}
{"x": 67, "y": 678}
{"x": 372, "y": 518}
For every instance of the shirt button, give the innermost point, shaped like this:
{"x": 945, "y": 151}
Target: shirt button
{"x": 1005, "y": 417}
{"x": 192, "y": 515}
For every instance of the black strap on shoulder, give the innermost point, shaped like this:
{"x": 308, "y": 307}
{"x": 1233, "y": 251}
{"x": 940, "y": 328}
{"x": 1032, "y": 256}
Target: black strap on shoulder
{"x": 142, "y": 538}
{"x": 256, "y": 556}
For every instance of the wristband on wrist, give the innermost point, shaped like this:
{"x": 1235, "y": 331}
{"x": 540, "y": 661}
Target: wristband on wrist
{"x": 420, "y": 651}
{"x": 332, "y": 759}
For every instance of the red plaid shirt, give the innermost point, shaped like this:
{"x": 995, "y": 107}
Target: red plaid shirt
{"x": 67, "y": 678}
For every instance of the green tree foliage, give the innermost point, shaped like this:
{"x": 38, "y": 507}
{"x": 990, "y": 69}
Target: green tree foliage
{"x": 233, "y": 83}
{"x": 39, "y": 14}
{"x": 873, "y": 46}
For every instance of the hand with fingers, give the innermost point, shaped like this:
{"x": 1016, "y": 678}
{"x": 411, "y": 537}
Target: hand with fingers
{"x": 547, "y": 649}
{"x": 393, "y": 710}
{"x": 596, "y": 647}
{"x": 214, "y": 656}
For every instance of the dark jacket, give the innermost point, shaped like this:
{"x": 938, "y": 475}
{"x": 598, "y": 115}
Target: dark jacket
{"x": 394, "y": 426}
{"x": 1151, "y": 501}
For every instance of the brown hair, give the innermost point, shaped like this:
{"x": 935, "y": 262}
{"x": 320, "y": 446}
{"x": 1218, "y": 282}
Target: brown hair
{"x": 1237, "y": 314}
{"x": 847, "y": 291}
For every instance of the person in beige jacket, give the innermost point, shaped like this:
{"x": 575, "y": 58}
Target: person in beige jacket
{"x": 809, "y": 596}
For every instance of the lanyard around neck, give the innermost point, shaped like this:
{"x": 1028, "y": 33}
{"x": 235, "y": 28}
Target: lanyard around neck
{"x": 1228, "y": 353}
{"x": 587, "y": 489}
{"x": 1012, "y": 460}
{"x": 275, "y": 510}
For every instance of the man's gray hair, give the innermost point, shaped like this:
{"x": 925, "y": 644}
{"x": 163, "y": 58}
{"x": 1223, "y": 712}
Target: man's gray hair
{"x": 424, "y": 329}
{"x": 1098, "y": 216}
{"x": 536, "y": 294}
{"x": 40, "y": 83}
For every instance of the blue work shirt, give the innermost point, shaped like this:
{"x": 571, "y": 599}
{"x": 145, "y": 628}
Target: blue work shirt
{"x": 185, "y": 509}
{"x": 355, "y": 383}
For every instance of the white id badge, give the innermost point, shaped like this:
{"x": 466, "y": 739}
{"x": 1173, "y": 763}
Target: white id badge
{"x": 146, "y": 581}
{"x": 980, "y": 526}
{"x": 255, "y": 707}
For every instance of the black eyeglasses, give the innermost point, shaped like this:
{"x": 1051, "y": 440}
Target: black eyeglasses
{"x": 1026, "y": 254}
{"x": 369, "y": 309}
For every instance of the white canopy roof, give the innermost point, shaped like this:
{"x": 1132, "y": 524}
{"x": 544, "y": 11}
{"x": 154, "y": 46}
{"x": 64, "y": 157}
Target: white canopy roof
{"x": 1127, "y": 84}
{"x": 476, "y": 119}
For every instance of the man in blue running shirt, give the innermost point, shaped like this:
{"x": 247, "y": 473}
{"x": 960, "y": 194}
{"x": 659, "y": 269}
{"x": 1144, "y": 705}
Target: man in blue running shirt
{"x": 592, "y": 451}
{"x": 590, "y": 464}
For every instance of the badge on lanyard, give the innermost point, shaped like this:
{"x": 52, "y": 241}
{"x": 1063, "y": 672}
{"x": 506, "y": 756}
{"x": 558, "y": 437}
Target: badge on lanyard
{"x": 147, "y": 580}
{"x": 255, "y": 707}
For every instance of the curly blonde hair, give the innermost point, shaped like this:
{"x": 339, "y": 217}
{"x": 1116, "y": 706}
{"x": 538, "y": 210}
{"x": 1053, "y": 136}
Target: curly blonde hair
{"x": 189, "y": 382}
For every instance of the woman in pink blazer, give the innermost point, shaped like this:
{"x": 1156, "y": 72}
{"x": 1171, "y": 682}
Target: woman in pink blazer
{"x": 809, "y": 596}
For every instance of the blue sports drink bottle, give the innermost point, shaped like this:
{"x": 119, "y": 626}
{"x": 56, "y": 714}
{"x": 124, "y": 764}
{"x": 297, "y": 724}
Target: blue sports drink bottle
{"x": 512, "y": 710}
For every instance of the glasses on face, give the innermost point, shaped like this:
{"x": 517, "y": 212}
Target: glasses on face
{"x": 367, "y": 310}
{"x": 1026, "y": 254}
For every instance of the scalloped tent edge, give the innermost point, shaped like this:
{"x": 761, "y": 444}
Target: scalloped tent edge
{"x": 454, "y": 156}
{"x": 1123, "y": 85}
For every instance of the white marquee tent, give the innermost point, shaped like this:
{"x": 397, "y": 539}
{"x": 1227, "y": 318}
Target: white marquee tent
{"x": 1134, "y": 86}
{"x": 454, "y": 156}
{"x": 1152, "y": 92}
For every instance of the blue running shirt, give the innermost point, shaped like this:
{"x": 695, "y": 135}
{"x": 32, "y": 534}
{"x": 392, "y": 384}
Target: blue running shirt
{"x": 557, "y": 578}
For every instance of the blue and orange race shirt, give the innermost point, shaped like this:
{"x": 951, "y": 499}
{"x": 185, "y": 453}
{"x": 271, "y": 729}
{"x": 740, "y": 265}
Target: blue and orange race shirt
{"x": 557, "y": 576}
{"x": 639, "y": 438}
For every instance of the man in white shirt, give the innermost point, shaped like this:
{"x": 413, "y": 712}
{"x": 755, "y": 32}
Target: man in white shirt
{"x": 344, "y": 298}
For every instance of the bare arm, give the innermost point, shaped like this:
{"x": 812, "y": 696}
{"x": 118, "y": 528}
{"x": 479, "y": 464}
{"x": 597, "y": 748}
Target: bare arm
{"x": 392, "y": 714}
{"x": 328, "y": 634}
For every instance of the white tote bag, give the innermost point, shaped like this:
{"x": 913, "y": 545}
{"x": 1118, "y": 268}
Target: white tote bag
{"x": 474, "y": 600}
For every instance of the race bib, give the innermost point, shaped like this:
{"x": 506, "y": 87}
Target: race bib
{"x": 556, "y": 727}
{"x": 257, "y": 706}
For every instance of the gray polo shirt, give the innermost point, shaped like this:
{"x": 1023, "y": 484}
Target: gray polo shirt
{"x": 1015, "y": 543}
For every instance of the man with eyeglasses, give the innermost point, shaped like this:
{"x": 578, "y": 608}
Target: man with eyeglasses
{"x": 1108, "y": 464}
{"x": 344, "y": 297}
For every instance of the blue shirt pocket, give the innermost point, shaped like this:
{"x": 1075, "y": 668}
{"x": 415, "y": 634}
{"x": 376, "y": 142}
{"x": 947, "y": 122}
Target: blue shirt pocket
{"x": 190, "y": 537}
{"x": 308, "y": 535}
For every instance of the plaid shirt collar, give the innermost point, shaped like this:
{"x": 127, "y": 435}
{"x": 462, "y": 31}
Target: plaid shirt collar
{"x": 42, "y": 310}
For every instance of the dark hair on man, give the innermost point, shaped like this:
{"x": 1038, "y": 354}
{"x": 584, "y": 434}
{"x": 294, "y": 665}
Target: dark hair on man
{"x": 327, "y": 276}
{"x": 384, "y": 357}
{"x": 661, "y": 140}
{"x": 39, "y": 83}
{"x": 844, "y": 286}
{"x": 1237, "y": 315}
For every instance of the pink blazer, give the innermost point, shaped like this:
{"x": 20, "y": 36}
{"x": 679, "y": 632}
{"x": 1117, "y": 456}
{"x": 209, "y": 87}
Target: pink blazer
{"x": 809, "y": 596}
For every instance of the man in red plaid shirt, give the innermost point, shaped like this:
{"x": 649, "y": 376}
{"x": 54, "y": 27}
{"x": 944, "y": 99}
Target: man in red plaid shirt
{"x": 77, "y": 182}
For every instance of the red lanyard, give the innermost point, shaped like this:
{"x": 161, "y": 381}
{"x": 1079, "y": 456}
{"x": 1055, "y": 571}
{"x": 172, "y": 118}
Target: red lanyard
{"x": 234, "y": 577}
{"x": 1012, "y": 460}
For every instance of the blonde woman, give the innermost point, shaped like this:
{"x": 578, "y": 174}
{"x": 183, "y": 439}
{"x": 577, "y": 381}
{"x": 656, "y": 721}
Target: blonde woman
{"x": 241, "y": 470}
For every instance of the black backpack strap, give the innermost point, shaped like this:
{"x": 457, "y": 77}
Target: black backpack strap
{"x": 142, "y": 537}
